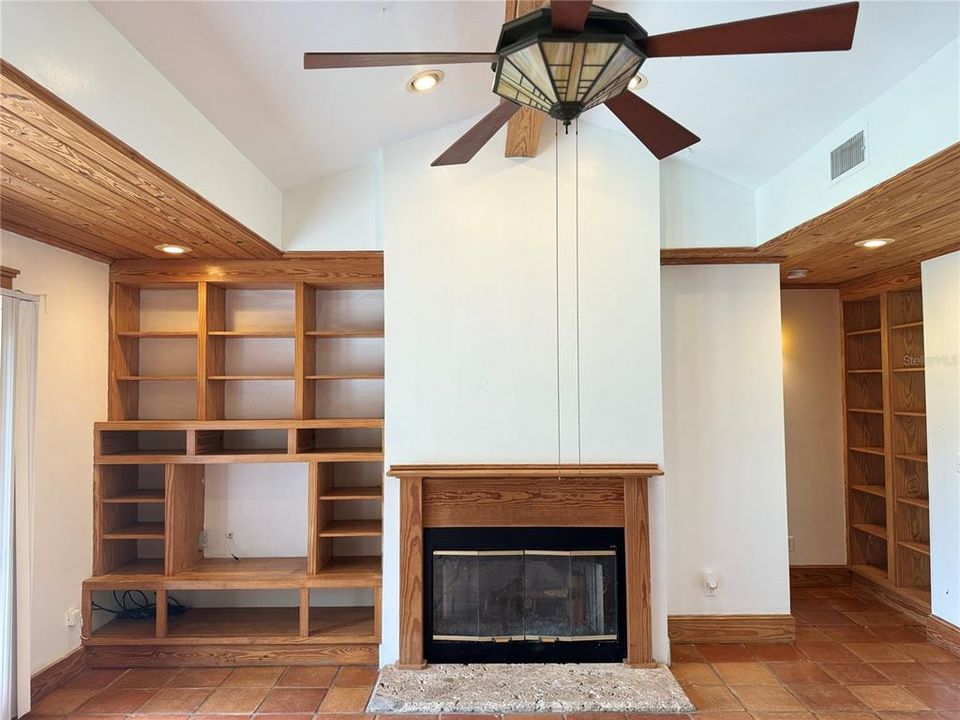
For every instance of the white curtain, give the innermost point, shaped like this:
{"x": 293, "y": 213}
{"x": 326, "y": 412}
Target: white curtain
{"x": 18, "y": 365}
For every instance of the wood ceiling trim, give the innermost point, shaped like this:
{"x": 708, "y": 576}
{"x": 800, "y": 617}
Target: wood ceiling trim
{"x": 919, "y": 208}
{"x": 54, "y": 155}
{"x": 717, "y": 256}
{"x": 524, "y": 128}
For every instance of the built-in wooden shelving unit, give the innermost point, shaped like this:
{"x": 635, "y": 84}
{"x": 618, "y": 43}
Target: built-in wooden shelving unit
{"x": 228, "y": 363}
{"x": 888, "y": 505}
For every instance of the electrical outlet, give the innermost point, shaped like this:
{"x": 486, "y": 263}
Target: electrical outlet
{"x": 203, "y": 539}
{"x": 72, "y": 618}
{"x": 791, "y": 546}
{"x": 711, "y": 583}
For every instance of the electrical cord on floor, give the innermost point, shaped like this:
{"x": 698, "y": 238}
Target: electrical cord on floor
{"x": 134, "y": 605}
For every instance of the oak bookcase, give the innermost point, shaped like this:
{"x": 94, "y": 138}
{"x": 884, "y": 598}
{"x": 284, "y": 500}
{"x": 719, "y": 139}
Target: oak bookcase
{"x": 240, "y": 362}
{"x": 886, "y": 450}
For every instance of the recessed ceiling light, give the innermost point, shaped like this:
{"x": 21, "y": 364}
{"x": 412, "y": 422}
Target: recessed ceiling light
{"x": 171, "y": 249}
{"x": 425, "y": 81}
{"x": 873, "y": 243}
{"x": 638, "y": 82}
{"x": 797, "y": 273}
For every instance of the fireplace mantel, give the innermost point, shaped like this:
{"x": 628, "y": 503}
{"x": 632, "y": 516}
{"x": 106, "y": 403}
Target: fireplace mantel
{"x": 525, "y": 495}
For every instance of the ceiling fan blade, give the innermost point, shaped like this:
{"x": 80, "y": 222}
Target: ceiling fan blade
{"x": 466, "y": 147}
{"x": 662, "y": 135}
{"x": 569, "y": 15}
{"x": 816, "y": 29}
{"x": 318, "y": 61}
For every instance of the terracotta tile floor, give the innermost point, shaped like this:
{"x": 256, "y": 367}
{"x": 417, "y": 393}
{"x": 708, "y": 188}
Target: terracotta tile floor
{"x": 853, "y": 660}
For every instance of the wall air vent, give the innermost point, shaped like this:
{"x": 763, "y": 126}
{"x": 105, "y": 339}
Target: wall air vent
{"x": 848, "y": 155}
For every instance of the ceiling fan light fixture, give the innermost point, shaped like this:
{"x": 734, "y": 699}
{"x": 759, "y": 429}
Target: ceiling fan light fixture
{"x": 873, "y": 243}
{"x": 424, "y": 82}
{"x": 171, "y": 249}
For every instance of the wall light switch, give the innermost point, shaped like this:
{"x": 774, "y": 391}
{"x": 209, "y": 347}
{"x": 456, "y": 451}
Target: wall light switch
{"x": 72, "y": 618}
{"x": 790, "y": 544}
{"x": 711, "y": 583}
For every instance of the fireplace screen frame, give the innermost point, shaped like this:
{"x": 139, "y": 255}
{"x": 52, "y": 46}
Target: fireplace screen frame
{"x": 531, "y": 539}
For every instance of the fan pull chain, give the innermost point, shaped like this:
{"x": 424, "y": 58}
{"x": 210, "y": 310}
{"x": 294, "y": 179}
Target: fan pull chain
{"x": 556, "y": 175}
{"x": 576, "y": 205}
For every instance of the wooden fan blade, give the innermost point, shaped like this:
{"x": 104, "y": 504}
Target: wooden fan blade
{"x": 318, "y": 61}
{"x": 662, "y": 135}
{"x": 816, "y": 29}
{"x": 569, "y": 15}
{"x": 466, "y": 147}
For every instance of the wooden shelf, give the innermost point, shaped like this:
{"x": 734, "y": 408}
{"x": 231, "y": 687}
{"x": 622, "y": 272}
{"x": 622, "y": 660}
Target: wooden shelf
{"x": 909, "y": 369}
{"x": 355, "y": 333}
{"x": 878, "y": 490}
{"x": 250, "y": 377}
{"x": 871, "y": 529}
{"x": 252, "y": 333}
{"x": 882, "y": 578}
{"x": 244, "y": 626}
{"x": 870, "y": 331}
{"x": 346, "y": 376}
{"x": 864, "y": 372}
{"x": 901, "y": 326}
{"x": 285, "y": 573}
{"x": 872, "y": 572}
{"x": 162, "y": 457}
{"x": 922, "y": 548}
{"x": 911, "y": 458}
{"x": 868, "y": 450}
{"x": 267, "y": 424}
{"x": 865, "y": 410}
{"x": 352, "y": 528}
{"x": 915, "y": 502}
{"x": 137, "y": 531}
{"x": 904, "y": 413}
{"x": 353, "y": 493}
{"x": 157, "y": 378}
{"x": 137, "y": 497}
{"x": 157, "y": 334}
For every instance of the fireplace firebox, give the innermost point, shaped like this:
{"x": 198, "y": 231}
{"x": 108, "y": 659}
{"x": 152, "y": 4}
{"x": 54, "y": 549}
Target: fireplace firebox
{"x": 530, "y": 594}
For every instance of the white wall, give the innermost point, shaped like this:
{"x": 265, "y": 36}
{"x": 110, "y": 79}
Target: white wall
{"x": 700, "y": 209}
{"x": 813, "y": 419}
{"x": 941, "y": 338}
{"x": 723, "y": 429}
{"x": 70, "y": 49}
{"x": 471, "y": 320}
{"x": 71, "y": 396}
{"x": 338, "y": 212}
{"x": 916, "y": 118}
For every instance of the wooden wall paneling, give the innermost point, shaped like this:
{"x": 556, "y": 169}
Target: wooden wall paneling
{"x": 411, "y": 575}
{"x": 54, "y": 146}
{"x": 519, "y": 502}
{"x": 184, "y": 517}
{"x": 211, "y": 305}
{"x": 162, "y": 625}
{"x": 636, "y": 530}
{"x": 123, "y": 396}
{"x": 332, "y": 269}
{"x": 305, "y": 351}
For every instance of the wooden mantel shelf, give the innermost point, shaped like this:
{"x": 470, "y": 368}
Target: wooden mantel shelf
{"x": 538, "y": 470}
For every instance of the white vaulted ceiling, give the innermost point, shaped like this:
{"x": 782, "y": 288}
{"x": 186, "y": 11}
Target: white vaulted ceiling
{"x": 240, "y": 64}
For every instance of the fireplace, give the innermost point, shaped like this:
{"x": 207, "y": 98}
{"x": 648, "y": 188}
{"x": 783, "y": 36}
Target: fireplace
{"x": 545, "y": 563}
{"x": 524, "y": 595}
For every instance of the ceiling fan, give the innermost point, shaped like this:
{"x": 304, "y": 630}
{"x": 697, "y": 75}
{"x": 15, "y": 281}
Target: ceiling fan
{"x": 571, "y": 56}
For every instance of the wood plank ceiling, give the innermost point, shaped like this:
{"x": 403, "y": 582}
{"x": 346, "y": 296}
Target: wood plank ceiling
{"x": 68, "y": 182}
{"x": 918, "y": 208}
